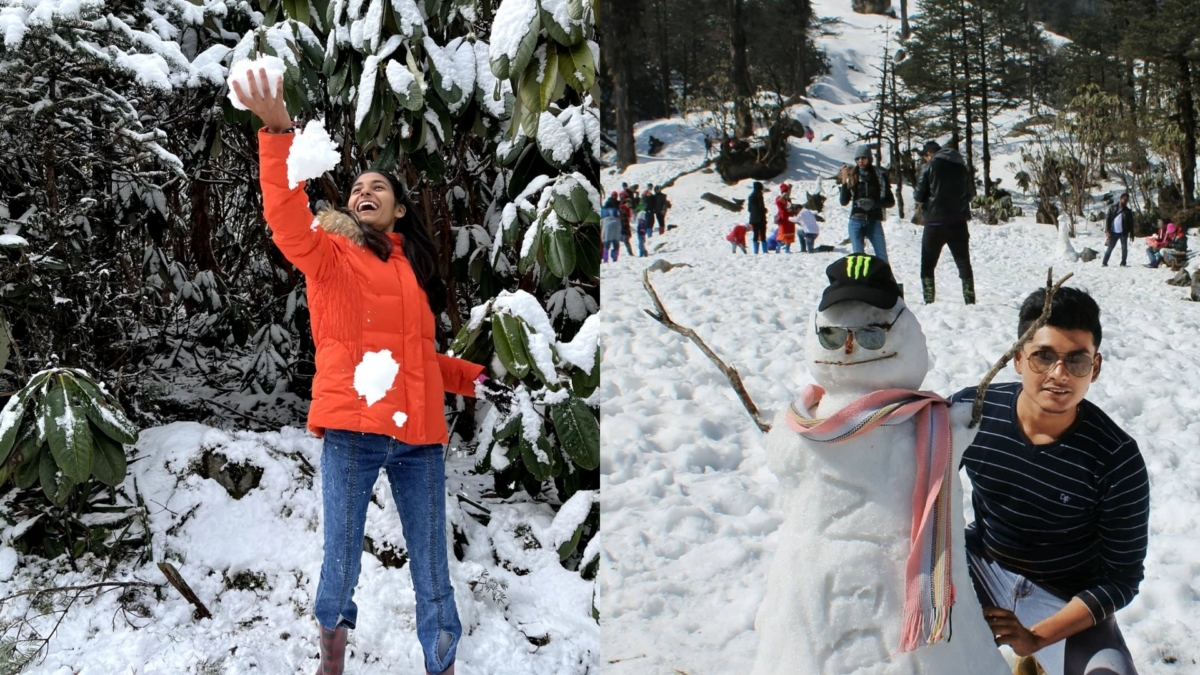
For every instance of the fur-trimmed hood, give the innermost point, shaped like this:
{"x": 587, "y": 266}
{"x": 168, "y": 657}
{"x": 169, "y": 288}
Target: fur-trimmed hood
{"x": 340, "y": 222}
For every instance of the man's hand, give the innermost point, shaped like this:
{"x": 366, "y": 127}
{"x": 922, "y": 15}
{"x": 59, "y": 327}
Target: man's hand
{"x": 260, "y": 101}
{"x": 1007, "y": 630}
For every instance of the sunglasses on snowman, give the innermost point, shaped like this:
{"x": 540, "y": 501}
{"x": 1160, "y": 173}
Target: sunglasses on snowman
{"x": 868, "y": 337}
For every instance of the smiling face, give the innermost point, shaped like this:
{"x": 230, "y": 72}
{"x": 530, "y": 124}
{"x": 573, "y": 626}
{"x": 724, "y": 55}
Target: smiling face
{"x": 374, "y": 202}
{"x": 900, "y": 364}
{"x": 1057, "y": 392}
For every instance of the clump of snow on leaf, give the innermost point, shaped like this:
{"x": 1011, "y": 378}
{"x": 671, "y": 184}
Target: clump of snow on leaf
{"x": 240, "y": 71}
{"x": 526, "y": 307}
{"x": 313, "y": 153}
{"x": 374, "y": 375}
{"x": 581, "y": 352}
{"x": 512, "y": 24}
{"x": 559, "y": 141}
{"x": 366, "y": 85}
{"x": 568, "y": 519}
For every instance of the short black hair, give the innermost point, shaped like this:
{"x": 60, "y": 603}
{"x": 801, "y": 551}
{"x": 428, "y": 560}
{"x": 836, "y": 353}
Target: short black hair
{"x": 1070, "y": 309}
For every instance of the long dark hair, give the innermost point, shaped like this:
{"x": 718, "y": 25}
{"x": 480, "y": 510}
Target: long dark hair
{"x": 418, "y": 246}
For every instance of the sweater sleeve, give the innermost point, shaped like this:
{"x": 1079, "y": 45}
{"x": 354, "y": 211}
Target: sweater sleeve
{"x": 844, "y": 194}
{"x": 458, "y": 375}
{"x": 286, "y": 209}
{"x": 921, "y": 195}
{"x": 1123, "y": 515}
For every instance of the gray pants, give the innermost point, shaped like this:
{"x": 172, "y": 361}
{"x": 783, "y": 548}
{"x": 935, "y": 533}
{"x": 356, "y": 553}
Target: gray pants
{"x": 1099, "y": 650}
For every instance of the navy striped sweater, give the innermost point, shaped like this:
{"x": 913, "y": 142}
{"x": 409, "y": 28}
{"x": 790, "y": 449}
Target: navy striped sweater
{"x": 1070, "y": 516}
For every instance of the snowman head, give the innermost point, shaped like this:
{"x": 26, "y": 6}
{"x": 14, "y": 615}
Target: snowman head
{"x": 863, "y": 338}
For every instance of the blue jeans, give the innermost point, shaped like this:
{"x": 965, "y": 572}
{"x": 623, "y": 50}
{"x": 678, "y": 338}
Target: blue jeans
{"x": 808, "y": 242}
{"x": 1099, "y": 650}
{"x": 641, "y": 245}
{"x": 869, "y": 230}
{"x": 1112, "y": 243}
{"x": 350, "y": 463}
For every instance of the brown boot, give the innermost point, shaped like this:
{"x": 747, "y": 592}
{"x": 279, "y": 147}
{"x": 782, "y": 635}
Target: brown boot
{"x": 333, "y": 651}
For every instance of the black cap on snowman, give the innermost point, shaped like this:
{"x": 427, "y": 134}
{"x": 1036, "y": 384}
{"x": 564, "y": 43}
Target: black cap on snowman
{"x": 860, "y": 277}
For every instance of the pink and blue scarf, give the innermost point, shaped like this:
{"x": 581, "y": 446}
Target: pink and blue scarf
{"x": 929, "y": 583}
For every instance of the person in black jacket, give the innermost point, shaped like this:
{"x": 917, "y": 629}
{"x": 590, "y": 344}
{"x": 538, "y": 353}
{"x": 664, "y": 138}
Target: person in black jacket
{"x": 758, "y": 216}
{"x": 1118, "y": 226}
{"x": 944, "y": 191}
{"x": 871, "y": 193}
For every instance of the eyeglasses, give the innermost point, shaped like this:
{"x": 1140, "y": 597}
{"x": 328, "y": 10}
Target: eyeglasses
{"x": 1079, "y": 364}
{"x": 868, "y": 337}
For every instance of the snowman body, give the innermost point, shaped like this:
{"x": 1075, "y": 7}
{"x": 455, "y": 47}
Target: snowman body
{"x": 836, "y": 588}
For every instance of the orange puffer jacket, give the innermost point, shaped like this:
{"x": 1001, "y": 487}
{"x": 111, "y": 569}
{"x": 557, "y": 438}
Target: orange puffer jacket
{"x": 361, "y": 307}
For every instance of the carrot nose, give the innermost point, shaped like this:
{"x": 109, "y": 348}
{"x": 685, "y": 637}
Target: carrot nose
{"x": 849, "y": 342}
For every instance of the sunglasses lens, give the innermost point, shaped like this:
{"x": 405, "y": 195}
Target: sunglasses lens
{"x": 1042, "y": 362}
{"x": 831, "y": 337}
{"x": 1079, "y": 365}
{"x": 870, "y": 338}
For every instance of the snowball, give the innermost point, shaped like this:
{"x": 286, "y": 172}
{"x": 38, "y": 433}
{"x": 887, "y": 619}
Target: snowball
{"x": 313, "y": 153}
{"x": 400, "y": 418}
{"x": 237, "y": 73}
{"x": 373, "y": 376}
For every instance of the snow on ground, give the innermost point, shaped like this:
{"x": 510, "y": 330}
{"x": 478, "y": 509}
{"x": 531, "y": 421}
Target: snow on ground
{"x": 690, "y": 509}
{"x": 255, "y": 562}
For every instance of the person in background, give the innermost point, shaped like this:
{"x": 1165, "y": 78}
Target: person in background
{"x": 737, "y": 237}
{"x": 661, "y": 205}
{"x": 647, "y": 206}
{"x": 1061, "y": 500}
{"x": 808, "y": 133}
{"x": 1118, "y": 226}
{"x": 1164, "y": 240}
{"x": 783, "y": 218}
{"x": 944, "y": 192}
{"x": 626, "y": 206}
{"x": 610, "y": 229}
{"x": 866, "y": 190}
{"x": 808, "y": 230}
{"x": 645, "y": 226}
{"x": 758, "y": 216}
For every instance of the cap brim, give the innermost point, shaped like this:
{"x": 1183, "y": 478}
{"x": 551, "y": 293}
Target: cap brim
{"x": 876, "y": 297}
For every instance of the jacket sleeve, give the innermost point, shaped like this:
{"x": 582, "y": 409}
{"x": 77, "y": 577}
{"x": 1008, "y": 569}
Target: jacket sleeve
{"x": 458, "y": 375}
{"x": 286, "y": 210}
{"x": 844, "y": 194}
{"x": 921, "y": 195}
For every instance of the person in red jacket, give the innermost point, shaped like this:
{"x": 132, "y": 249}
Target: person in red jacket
{"x": 737, "y": 237}
{"x": 378, "y": 392}
{"x": 783, "y": 218}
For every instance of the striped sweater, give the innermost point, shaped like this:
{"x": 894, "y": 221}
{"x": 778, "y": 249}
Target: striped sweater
{"x": 1071, "y": 516}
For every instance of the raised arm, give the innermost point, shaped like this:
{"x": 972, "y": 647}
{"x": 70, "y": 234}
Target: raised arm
{"x": 285, "y": 209}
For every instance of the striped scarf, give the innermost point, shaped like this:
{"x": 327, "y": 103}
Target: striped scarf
{"x": 929, "y": 585}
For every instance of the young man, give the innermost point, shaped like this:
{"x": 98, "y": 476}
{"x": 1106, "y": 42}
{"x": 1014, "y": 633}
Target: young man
{"x": 1118, "y": 226}
{"x": 1061, "y": 500}
{"x": 944, "y": 191}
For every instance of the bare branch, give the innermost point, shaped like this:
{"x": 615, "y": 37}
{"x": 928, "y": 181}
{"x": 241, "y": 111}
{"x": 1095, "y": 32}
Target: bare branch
{"x": 977, "y": 409}
{"x": 734, "y": 378}
{"x": 86, "y": 587}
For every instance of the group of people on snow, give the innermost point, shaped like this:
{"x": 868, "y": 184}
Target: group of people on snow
{"x": 1168, "y": 245}
{"x": 627, "y": 211}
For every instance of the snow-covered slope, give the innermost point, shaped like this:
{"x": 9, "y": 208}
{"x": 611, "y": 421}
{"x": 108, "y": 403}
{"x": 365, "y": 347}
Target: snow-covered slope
{"x": 690, "y": 509}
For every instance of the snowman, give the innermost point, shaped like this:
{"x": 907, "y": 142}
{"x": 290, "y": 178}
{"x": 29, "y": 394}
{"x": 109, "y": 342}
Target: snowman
{"x": 859, "y": 584}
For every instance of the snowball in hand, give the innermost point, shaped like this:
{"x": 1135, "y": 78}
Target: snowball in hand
{"x": 313, "y": 153}
{"x": 374, "y": 375}
{"x": 237, "y": 73}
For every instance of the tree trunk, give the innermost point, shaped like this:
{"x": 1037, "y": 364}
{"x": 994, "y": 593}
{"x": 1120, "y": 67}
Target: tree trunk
{"x": 742, "y": 89}
{"x": 615, "y": 39}
{"x": 983, "y": 104}
{"x": 968, "y": 109}
{"x": 1187, "y": 124}
{"x": 953, "y": 102}
{"x": 904, "y": 31}
{"x": 664, "y": 55}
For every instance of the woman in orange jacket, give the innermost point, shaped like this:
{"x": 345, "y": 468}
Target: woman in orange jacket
{"x": 373, "y": 294}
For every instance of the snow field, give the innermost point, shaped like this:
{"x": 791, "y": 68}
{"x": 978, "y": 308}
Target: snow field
{"x": 690, "y": 509}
